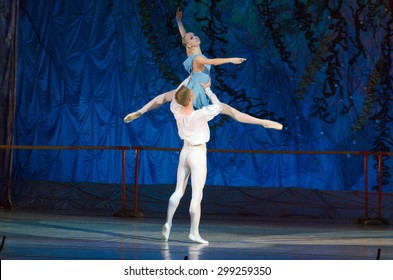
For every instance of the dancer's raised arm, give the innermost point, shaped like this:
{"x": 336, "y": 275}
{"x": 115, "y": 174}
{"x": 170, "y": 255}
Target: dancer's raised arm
{"x": 182, "y": 30}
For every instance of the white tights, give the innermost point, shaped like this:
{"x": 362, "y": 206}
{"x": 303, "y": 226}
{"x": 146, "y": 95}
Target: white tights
{"x": 192, "y": 161}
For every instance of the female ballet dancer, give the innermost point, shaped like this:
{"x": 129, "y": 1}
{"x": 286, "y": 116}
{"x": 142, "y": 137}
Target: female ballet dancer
{"x": 193, "y": 129}
{"x": 199, "y": 67}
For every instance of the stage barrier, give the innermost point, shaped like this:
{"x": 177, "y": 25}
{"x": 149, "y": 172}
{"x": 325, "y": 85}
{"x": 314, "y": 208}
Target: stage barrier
{"x": 136, "y": 213}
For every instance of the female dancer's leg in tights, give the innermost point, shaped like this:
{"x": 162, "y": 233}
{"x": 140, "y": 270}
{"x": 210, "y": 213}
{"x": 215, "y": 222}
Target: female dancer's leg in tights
{"x": 153, "y": 104}
{"x": 197, "y": 162}
{"x": 183, "y": 173}
{"x": 244, "y": 118}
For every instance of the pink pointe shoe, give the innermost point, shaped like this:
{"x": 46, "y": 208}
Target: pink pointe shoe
{"x": 132, "y": 116}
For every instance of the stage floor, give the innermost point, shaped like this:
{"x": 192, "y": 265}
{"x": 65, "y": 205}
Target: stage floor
{"x": 63, "y": 235}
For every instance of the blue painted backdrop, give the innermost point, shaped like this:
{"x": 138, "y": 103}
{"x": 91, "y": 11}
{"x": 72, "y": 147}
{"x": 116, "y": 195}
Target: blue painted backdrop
{"x": 322, "y": 68}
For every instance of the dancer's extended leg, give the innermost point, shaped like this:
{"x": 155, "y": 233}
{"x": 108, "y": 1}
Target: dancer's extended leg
{"x": 183, "y": 173}
{"x": 153, "y": 104}
{"x": 197, "y": 163}
{"x": 244, "y": 118}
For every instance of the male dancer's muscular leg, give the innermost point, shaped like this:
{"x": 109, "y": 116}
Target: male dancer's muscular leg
{"x": 197, "y": 161}
{"x": 183, "y": 173}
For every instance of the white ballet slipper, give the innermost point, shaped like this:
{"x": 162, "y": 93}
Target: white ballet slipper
{"x": 132, "y": 116}
{"x": 166, "y": 230}
{"x": 197, "y": 238}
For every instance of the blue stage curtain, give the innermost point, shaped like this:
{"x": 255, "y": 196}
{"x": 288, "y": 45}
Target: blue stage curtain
{"x": 84, "y": 65}
{"x": 9, "y": 14}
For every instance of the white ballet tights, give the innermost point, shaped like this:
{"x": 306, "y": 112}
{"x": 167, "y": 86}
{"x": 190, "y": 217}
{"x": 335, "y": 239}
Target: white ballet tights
{"x": 192, "y": 161}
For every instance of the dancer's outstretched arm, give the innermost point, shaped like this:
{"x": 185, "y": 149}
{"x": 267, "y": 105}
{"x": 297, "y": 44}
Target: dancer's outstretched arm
{"x": 200, "y": 61}
{"x": 179, "y": 15}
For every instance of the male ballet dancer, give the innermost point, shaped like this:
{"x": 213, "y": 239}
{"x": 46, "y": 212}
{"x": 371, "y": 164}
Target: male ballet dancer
{"x": 193, "y": 128}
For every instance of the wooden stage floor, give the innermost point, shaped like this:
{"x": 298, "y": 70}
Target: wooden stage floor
{"x": 63, "y": 235}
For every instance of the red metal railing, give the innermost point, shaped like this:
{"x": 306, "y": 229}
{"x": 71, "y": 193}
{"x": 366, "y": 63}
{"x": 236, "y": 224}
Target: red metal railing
{"x": 364, "y": 153}
{"x": 136, "y": 213}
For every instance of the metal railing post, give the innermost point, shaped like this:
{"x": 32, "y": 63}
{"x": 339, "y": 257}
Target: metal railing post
{"x": 365, "y": 162}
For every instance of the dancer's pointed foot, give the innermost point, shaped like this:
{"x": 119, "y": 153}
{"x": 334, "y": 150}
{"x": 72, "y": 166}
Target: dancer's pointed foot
{"x": 132, "y": 116}
{"x": 166, "y": 230}
{"x": 197, "y": 238}
{"x": 271, "y": 124}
